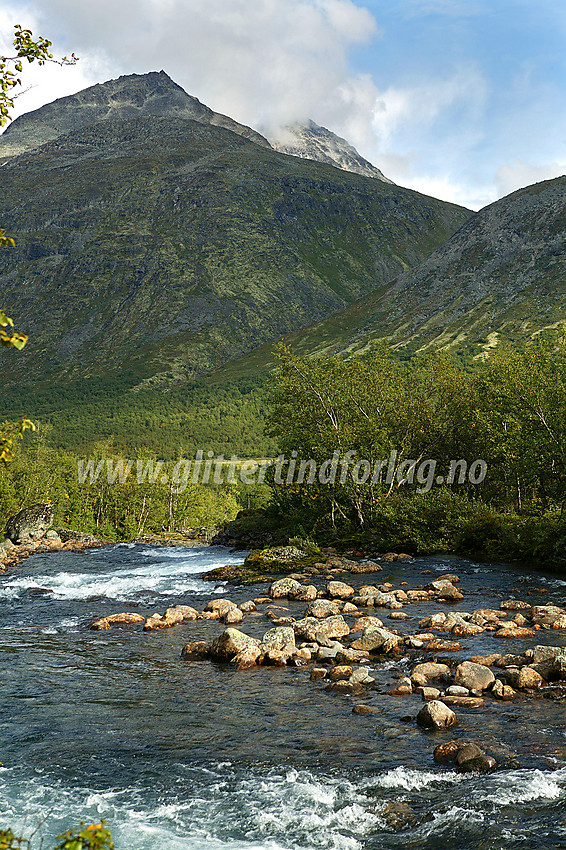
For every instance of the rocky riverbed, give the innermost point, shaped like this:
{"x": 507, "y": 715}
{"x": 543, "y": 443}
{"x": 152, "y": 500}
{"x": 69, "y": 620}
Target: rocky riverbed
{"x": 153, "y": 722}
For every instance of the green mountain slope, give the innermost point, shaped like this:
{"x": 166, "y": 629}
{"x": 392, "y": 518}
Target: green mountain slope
{"x": 502, "y": 276}
{"x": 166, "y": 247}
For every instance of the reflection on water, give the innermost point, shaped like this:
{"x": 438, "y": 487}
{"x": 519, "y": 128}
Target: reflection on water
{"x": 115, "y": 725}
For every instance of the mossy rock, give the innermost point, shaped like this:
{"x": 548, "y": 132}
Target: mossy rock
{"x": 237, "y": 574}
{"x": 281, "y": 559}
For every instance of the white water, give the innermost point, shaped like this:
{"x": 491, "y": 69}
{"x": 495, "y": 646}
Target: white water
{"x": 165, "y": 571}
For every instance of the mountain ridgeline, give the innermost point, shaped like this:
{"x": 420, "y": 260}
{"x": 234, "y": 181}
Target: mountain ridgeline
{"x": 164, "y": 246}
{"x": 500, "y": 278}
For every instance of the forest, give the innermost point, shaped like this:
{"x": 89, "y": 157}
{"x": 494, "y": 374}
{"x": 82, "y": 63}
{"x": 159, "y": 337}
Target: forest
{"x": 437, "y": 417}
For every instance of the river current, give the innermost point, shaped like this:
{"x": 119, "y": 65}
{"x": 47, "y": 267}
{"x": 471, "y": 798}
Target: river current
{"x": 197, "y": 756}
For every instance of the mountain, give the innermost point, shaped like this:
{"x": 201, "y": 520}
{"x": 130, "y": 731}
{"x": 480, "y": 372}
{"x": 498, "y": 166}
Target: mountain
{"x": 131, "y": 96}
{"x": 501, "y": 276}
{"x": 164, "y": 247}
{"x": 156, "y": 95}
{"x": 310, "y": 141}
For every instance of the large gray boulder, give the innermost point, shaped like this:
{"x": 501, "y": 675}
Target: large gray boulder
{"x": 30, "y": 524}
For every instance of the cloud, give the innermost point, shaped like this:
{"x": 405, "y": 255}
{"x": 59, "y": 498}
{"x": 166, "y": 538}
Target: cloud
{"x": 266, "y": 62}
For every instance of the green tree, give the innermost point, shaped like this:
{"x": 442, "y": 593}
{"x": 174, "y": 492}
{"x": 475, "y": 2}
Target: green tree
{"x": 26, "y": 49}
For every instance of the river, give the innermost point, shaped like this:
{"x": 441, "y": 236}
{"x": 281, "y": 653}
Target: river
{"x": 197, "y": 756}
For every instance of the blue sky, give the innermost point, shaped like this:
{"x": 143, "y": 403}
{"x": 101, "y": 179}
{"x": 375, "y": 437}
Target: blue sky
{"x": 461, "y": 100}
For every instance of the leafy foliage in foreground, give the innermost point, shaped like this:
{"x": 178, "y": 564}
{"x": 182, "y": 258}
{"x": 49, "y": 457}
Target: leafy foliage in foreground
{"x": 93, "y": 837}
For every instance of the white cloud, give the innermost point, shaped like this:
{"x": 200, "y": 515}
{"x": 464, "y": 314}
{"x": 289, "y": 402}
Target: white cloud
{"x": 265, "y": 63}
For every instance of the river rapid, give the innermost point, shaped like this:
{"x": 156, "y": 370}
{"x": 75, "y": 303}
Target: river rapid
{"x": 197, "y": 756}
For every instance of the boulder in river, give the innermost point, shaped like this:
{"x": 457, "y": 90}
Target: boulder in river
{"x": 30, "y": 524}
{"x": 375, "y": 639}
{"x": 339, "y": 590}
{"x": 196, "y": 650}
{"x": 524, "y": 678}
{"x": 429, "y": 671}
{"x": 322, "y": 608}
{"x": 307, "y": 593}
{"x": 278, "y": 645}
{"x": 220, "y": 606}
{"x": 233, "y": 617}
{"x": 231, "y": 642}
{"x": 172, "y": 617}
{"x": 436, "y": 715}
{"x": 474, "y": 677}
{"x": 285, "y": 587}
{"x": 502, "y": 691}
{"x": 125, "y": 618}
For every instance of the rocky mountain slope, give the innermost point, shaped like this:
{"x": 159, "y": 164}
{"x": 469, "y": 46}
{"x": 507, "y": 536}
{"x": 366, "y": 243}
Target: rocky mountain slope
{"x": 502, "y": 276}
{"x": 165, "y": 247}
{"x": 311, "y": 141}
{"x": 131, "y": 96}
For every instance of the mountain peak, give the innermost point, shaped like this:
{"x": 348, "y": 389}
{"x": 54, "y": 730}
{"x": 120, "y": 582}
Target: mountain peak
{"x": 311, "y": 141}
{"x": 153, "y": 94}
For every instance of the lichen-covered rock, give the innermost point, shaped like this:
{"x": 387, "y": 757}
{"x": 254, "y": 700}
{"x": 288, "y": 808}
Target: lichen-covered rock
{"x": 231, "y": 642}
{"x": 30, "y": 524}
{"x": 125, "y": 618}
{"x": 233, "y": 617}
{"x": 515, "y": 605}
{"x": 362, "y": 675}
{"x": 474, "y": 677}
{"x": 429, "y": 693}
{"x": 513, "y": 631}
{"x": 322, "y": 608}
{"x": 285, "y": 587}
{"x": 281, "y": 637}
{"x": 347, "y": 655}
{"x": 307, "y": 593}
{"x": 220, "y": 606}
{"x": 466, "y": 630}
{"x": 247, "y": 657}
{"x": 502, "y": 691}
{"x": 375, "y": 639}
{"x": 363, "y": 623}
{"x": 339, "y": 590}
{"x": 436, "y": 715}
{"x": 436, "y": 621}
{"x": 332, "y": 627}
{"x": 524, "y": 678}
{"x": 172, "y": 617}
{"x": 446, "y": 590}
{"x": 429, "y": 671}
